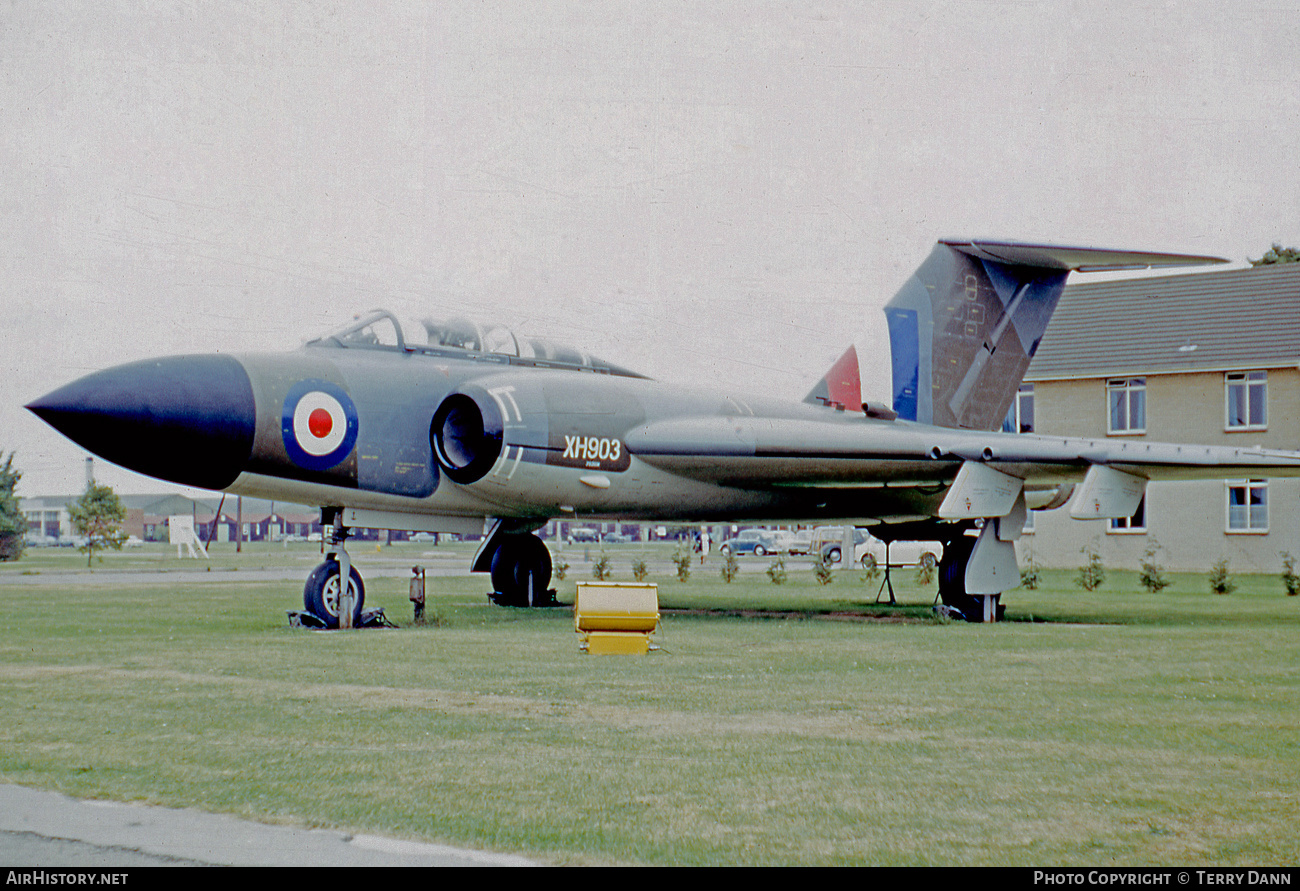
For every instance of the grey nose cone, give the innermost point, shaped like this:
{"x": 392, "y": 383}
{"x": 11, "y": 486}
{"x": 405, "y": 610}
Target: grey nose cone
{"x": 187, "y": 419}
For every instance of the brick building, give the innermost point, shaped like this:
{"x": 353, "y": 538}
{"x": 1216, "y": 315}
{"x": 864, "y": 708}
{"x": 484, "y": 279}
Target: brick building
{"x": 1211, "y": 357}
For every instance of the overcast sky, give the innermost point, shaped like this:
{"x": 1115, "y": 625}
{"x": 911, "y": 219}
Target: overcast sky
{"x": 719, "y": 194}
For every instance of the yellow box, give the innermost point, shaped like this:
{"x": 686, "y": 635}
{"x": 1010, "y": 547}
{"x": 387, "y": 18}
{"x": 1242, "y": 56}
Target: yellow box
{"x": 616, "y": 618}
{"x": 616, "y": 606}
{"x": 617, "y": 643}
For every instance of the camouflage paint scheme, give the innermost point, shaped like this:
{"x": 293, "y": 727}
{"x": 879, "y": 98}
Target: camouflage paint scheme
{"x": 445, "y": 435}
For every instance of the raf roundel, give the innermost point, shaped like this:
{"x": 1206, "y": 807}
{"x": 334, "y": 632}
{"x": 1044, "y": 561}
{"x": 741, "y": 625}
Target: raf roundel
{"x": 319, "y": 424}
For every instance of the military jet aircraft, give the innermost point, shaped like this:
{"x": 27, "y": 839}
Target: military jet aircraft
{"x": 455, "y": 427}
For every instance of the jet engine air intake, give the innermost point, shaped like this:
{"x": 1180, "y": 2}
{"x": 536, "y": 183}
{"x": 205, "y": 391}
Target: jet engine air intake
{"x": 466, "y": 435}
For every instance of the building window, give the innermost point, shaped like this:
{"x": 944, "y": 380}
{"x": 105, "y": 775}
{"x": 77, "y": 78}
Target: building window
{"x": 1135, "y": 523}
{"x": 1247, "y": 400}
{"x": 1127, "y": 401}
{"x": 1025, "y": 409}
{"x": 1248, "y": 506}
{"x": 1020, "y": 416}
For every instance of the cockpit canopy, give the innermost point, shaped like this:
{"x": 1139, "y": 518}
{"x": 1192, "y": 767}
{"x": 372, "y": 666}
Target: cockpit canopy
{"x": 460, "y": 338}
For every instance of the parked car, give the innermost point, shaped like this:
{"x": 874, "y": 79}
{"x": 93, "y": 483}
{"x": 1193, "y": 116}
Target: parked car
{"x": 750, "y": 541}
{"x": 829, "y": 542}
{"x": 904, "y": 553}
{"x": 584, "y": 535}
{"x": 781, "y": 540}
{"x": 801, "y": 543}
{"x": 616, "y": 538}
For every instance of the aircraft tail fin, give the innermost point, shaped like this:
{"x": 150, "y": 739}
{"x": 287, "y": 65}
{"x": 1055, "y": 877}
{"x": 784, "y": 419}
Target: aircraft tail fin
{"x": 963, "y": 328}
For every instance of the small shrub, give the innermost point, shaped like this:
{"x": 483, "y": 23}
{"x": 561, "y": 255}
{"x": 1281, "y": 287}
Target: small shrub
{"x": 822, "y": 572}
{"x": 926, "y": 569}
{"x": 1220, "y": 580}
{"x": 560, "y": 570}
{"x": 1092, "y": 573}
{"x": 682, "y": 557}
{"x": 776, "y": 572}
{"x": 1029, "y": 577}
{"x": 729, "y": 567}
{"x": 601, "y": 570}
{"x": 1289, "y": 577}
{"x": 870, "y": 569}
{"x": 639, "y": 570}
{"x": 1152, "y": 576}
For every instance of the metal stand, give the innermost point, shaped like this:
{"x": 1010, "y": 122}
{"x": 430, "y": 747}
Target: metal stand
{"x": 887, "y": 583}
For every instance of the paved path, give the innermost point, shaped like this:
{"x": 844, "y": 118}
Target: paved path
{"x": 47, "y": 829}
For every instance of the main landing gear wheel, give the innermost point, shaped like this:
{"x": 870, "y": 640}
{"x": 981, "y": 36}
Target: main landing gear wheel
{"x": 320, "y": 596}
{"x": 952, "y": 579}
{"x": 521, "y": 571}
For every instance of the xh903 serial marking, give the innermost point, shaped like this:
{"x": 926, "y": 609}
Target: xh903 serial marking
{"x": 592, "y": 449}
{"x": 589, "y": 452}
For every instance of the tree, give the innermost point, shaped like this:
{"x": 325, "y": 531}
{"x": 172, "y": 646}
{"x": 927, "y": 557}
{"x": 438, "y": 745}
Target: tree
{"x": 1277, "y": 254}
{"x": 870, "y": 568}
{"x": 1030, "y": 575}
{"x": 730, "y": 567}
{"x": 1221, "y": 578}
{"x": 1092, "y": 573}
{"x": 1289, "y": 577}
{"x": 1152, "y": 577}
{"x": 12, "y": 524}
{"x": 683, "y": 558}
{"x": 98, "y": 515}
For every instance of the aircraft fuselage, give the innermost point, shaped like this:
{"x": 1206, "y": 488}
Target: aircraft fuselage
{"x": 427, "y": 436}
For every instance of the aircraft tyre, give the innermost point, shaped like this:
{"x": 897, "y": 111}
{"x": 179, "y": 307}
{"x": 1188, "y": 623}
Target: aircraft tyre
{"x": 952, "y": 579}
{"x": 320, "y": 595}
{"x": 521, "y": 566}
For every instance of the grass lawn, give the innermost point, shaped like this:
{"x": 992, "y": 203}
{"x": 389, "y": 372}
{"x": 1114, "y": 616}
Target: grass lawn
{"x": 792, "y": 724}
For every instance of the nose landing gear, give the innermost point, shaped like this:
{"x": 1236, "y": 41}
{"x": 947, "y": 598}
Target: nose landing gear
{"x": 324, "y": 597}
{"x": 320, "y": 596}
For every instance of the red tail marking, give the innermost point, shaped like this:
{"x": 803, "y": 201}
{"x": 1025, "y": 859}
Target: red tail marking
{"x": 844, "y": 382}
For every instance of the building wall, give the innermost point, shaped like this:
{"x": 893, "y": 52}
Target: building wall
{"x": 134, "y": 522}
{"x": 1187, "y": 519}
